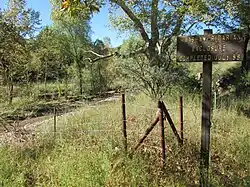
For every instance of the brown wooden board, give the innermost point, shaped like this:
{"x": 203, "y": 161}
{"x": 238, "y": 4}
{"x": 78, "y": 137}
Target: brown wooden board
{"x": 211, "y": 47}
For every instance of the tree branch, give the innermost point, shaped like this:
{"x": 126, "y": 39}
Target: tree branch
{"x": 175, "y": 31}
{"x": 101, "y": 57}
{"x": 94, "y": 53}
{"x": 190, "y": 26}
{"x": 178, "y": 25}
{"x": 132, "y": 16}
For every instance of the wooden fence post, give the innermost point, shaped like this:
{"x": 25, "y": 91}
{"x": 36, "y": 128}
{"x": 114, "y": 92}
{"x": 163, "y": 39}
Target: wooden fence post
{"x": 124, "y": 123}
{"x": 181, "y": 120}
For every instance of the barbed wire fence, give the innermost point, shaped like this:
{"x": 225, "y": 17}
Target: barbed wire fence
{"x": 161, "y": 114}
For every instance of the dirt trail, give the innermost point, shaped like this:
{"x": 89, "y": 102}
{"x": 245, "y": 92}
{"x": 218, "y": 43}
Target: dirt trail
{"x": 21, "y": 132}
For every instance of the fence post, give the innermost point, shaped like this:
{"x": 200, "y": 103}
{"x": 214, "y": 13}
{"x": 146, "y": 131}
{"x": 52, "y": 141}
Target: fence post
{"x": 162, "y": 136}
{"x": 55, "y": 121}
{"x": 181, "y": 120}
{"x": 124, "y": 122}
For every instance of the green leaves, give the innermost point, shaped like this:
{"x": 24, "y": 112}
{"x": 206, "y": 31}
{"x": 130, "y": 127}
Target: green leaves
{"x": 75, "y": 8}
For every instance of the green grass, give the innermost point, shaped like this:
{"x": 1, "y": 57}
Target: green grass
{"x": 88, "y": 148}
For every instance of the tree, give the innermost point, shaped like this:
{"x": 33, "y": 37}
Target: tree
{"x": 107, "y": 42}
{"x": 15, "y": 24}
{"x": 12, "y": 46}
{"x": 98, "y": 69}
{"x": 26, "y": 20}
{"x": 157, "y": 22}
{"x": 234, "y": 16}
{"x": 154, "y": 81}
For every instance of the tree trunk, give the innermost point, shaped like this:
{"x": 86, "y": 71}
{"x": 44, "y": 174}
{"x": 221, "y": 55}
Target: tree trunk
{"x": 245, "y": 62}
{"x": 66, "y": 85}
{"x": 80, "y": 78}
{"x": 92, "y": 82}
{"x": 45, "y": 75}
{"x": 11, "y": 88}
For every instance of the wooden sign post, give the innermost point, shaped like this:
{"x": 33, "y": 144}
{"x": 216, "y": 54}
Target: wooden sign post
{"x": 205, "y": 121}
{"x": 208, "y": 48}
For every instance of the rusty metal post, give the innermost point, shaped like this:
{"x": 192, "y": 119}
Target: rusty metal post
{"x": 181, "y": 120}
{"x": 55, "y": 121}
{"x": 206, "y": 123}
{"x": 124, "y": 123}
{"x": 162, "y": 137}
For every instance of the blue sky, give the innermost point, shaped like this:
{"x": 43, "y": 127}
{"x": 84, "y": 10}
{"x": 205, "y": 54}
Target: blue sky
{"x": 99, "y": 23}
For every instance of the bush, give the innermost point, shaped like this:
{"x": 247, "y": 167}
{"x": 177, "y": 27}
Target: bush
{"x": 243, "y": 85}
{"x": 236, "y": 82}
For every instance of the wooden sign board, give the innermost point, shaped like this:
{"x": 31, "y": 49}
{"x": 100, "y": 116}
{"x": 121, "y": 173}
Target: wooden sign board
{"x": 210, "y": 47}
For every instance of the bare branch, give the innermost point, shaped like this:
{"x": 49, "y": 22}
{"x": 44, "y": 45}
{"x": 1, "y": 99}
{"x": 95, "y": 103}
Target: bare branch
{"x": 102, "y": 58}
{"x": 94, "y": 53}
{"x": 99, "y": 58}
{"x": 190, "y": 27}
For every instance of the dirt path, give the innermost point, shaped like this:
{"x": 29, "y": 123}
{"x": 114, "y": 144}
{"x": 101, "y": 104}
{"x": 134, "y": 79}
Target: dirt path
{"x": 19, "y": 133}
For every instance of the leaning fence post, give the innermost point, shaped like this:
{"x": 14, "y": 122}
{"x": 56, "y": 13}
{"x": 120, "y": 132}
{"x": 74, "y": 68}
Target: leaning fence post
{"x": 55, "y": 121}
{"x": 181, "y": 119}
{"x": 171, "y": 123}
{"x": 124, "y": 122}
{"x": 148, "y": 130}
{"x": 162, "y": 136}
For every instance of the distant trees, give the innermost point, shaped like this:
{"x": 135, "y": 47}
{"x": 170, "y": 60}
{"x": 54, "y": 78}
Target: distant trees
{"x": 60, "y": 52}
{"x": 77, "y": 43}
{"x": 75, "y": 33}
{"x": 48, "y": 56}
